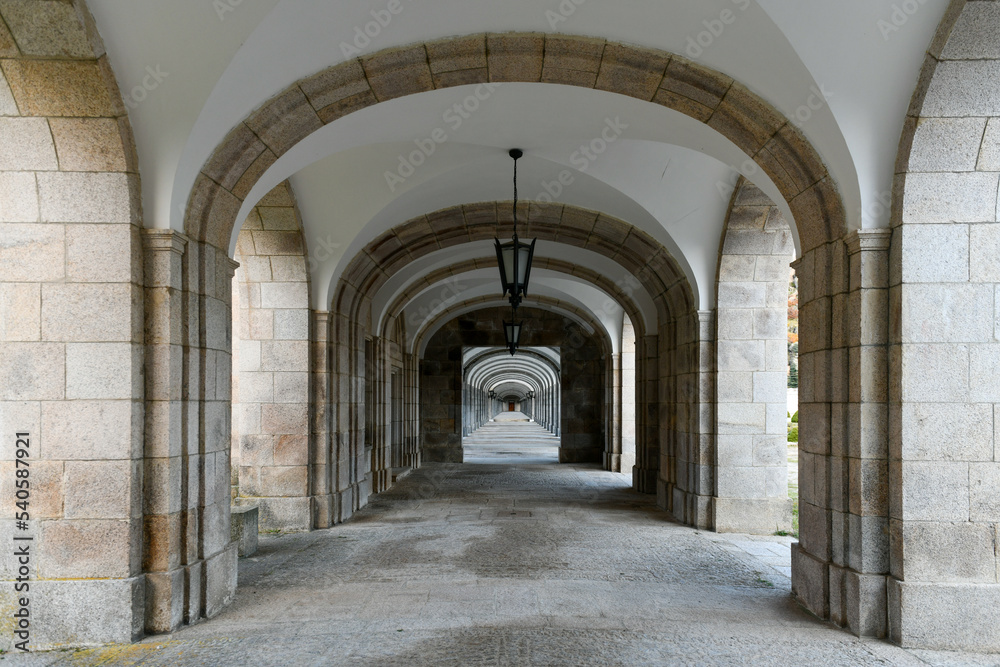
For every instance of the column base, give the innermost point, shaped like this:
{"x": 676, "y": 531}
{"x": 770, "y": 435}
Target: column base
{"x": 323, "y": 511}
{"x": 344, "y": 501}
{"x": 811, "y": 581}
{"x": 79, "y": 613}
{"x": 692, "y": 509}
{"x": 221, "y": 572}
{"x": 944, "y": 616}
{"x": 644, "y": 479}
{"x": 164, "y": 599}
{"x": 289, "y": 515}
{"x": 756, "y": 516}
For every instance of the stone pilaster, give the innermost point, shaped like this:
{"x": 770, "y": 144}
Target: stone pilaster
{"x": 613, "y": 455}
{"x": 320, "y": 469}
{"x": 859, "y": 475}
{"x": 166, "y": 434}
{"x": 823, "y": 435}
{"x": 647, "y": 446}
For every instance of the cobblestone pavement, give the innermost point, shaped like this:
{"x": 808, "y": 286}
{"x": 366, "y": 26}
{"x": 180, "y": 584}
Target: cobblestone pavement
{"x": 510, "y": 563}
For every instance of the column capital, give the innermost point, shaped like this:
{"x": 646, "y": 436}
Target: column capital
{"x": 164, "y": 239}
{"x": 867, "y": 240}
{"x": 231, "y": 265}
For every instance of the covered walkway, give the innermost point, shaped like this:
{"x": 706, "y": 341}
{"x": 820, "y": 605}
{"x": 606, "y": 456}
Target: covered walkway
{"x": 511, "y": 437}
{"x": 509, "y": 559}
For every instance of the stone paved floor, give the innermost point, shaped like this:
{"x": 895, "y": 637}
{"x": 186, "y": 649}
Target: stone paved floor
{"x": 512, "y": 561}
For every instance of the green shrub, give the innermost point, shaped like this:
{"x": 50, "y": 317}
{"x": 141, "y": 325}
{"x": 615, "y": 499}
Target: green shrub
{"x": 795, "y": 417}
{"x": 793, "y": 434}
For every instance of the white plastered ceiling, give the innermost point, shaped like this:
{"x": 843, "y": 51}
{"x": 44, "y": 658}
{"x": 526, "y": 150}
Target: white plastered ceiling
{"x": 664, "y": 173}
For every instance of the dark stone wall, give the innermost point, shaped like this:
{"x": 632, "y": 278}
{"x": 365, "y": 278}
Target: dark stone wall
{"x": 584, "y": 361}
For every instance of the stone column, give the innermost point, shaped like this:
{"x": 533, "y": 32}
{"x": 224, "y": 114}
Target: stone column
{"x": 647, "y": 447}
{"x": 320, "y": 468}
{"x": 860, "y": 475}
{"x": 166, "y": 436}
{"x": 823, "y": 420}
{"x": 613, "y": 457}
{"x": 343, "y": 417}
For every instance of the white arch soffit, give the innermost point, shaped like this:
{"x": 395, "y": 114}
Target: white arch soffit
{"x": 237, "y": 55}
{"x": 518, "y": 364}
{"x": 541, "y": 375}
{"x": 490, "y": 360}
{"x": 507, "y": 385}
{"x": 418, "y": 343}
{"x": 666, "y": 173}
{"x": 485, "y": 360}
{"x": 471, "y": 353}
{"x": 428, "y": 305}
{"x": 531, "y": 382}
{"x": 415, "y": 271}
{"x": 228, "y": 63}
{"x": 499, "y": 380}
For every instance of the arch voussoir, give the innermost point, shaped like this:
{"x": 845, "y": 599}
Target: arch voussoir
{"x": 710, "y": 97}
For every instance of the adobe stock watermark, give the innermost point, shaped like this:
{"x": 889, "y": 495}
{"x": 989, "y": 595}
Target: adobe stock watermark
{"x": 818, "y": 98}
{"x": 321, "y": 250}
{"x": 564, "y": 10}
{"x": 453, "y": 117}
{"x": 449, "y": 294}
{"x": 223, "y": 7}
{"x": 899, "y": 16}
{"x": 582, "y": 158}
{"x": 138, "y": 94}
{"x": 714, "y": 28}
{"x": 878, "y": 211}
{"x": 747, "y": 169}
{"x": 364, "y": 34}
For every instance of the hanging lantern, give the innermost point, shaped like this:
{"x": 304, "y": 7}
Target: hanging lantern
{"x": 512, "y": 333}
{"x": 514, "y": 257}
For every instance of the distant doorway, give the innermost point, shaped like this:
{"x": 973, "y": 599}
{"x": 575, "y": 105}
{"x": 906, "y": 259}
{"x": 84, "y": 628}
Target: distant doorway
{"x": 510, "y": 406}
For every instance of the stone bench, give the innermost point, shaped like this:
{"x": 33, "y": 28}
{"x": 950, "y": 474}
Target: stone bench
{"x": 243, "y": 529}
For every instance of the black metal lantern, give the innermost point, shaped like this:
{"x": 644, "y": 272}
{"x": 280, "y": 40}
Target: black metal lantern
{"x": 514, "y": 257}
{"x": 512, "y": 333}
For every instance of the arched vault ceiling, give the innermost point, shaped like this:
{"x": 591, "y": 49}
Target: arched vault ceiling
{"x": 200, "y": 69}
{"x": 218, "y": 61}
{"x": 678, "y": 194}
{"x": 580, "y": 318}
{"x": 420, "y": 275}
{"x": 601, "y": 306}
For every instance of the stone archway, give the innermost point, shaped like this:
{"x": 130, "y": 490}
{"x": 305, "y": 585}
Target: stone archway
{"x": 678, "y": 433}
{"x": 582, "y": 356}
{"x": 646, "y": 266}
{"x": 755, "y": 126}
